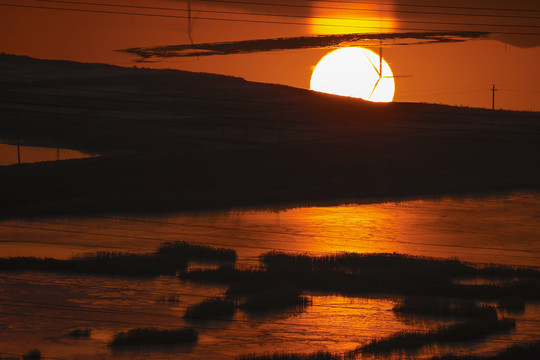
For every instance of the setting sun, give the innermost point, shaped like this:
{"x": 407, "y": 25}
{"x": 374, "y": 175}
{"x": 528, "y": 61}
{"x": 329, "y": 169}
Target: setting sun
{"x": 354, "y": 72}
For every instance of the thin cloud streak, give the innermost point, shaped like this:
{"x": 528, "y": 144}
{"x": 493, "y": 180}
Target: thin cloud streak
{"x": 293, "y": 43}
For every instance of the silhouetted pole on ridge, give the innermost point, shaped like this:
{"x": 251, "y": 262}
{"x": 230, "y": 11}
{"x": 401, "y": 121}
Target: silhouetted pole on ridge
{"x": 493, "y": 97}
{"x": 57, "y": 110}
{"x": 18, "y": 151}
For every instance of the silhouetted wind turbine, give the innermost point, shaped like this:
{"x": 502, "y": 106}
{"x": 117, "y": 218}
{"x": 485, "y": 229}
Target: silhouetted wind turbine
{"x": 378, "y": 70}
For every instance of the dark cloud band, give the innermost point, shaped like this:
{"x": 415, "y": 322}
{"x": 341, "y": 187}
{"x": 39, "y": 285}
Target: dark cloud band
{"x": 301, "y": 42}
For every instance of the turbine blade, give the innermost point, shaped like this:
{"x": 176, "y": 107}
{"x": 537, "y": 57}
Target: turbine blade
{"x": 372, "y": 64}
{"x": 374, "y": 87}
{"x": 380, "y": 59}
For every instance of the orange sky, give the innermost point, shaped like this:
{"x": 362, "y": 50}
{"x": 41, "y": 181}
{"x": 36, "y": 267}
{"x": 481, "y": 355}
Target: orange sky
{"x": 455, "y": 73}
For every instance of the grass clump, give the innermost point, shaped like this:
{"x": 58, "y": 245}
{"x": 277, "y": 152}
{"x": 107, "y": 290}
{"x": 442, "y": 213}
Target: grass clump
{"x": 9, "y": 357}
{"x": 274, "y": 298}
{"x": 353, "y": 262}
{"x": 169, "y": 299}
{"x": 247, "y": 287}
{"x": 468, "y": 331}
{"x": 152, "y": 335}
{"x": 313, "y": 356}
{"x": 428, "y": 306}
{"x": 512, "y": 304}
{"x": 169, "y": 259}
{"x": 33, "y": 355}
{"x": 196, "y": 251}
{"x": 216, "y": 307}
{"x": 79, "y": 333}
{"x": 362, "y": 274}
{"x": 33, "y": 263}
{"x": 129, "y": 264}
{"x": 101, "y": 263}
{"x": 225, "y": 274}
{"x": 530, "y": 351}
{"x": 266, "y": 296}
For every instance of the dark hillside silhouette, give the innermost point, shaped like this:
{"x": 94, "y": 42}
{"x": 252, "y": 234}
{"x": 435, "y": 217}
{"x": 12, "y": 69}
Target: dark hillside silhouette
{"x": 174, "y": 140}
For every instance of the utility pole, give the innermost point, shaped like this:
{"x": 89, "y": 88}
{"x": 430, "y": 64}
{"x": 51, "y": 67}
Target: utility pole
{"x": 493, "y": 97}
{"x": 57, "y": 110}
{"x": 18, "y": 151}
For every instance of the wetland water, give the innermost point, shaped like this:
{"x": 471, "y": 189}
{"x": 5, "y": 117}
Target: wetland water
{"x": 30, "y": 154}
{"x": 501, "y": 229}
{"x": 41, "y": 308}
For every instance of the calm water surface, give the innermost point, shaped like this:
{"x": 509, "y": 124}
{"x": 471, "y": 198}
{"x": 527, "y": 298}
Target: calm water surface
{"x": 42, "y": 308}
{"x": 501, "y": 229}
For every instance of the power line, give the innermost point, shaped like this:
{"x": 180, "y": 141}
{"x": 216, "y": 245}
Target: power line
{"x": 103, "y": 311}
{"x": 244, "y": 125}
{"x": 89, "y": 309}
{"x": 266, "y": 248}
{"x": 292, "y": 332}
{"x": 23, "y": 356}
{"x": 3, "y": 239}
{"x": 246, "y": 230}
{"x": 249, "y": 259}
{"x": 368, "y": 9}
{"x": 112, "y": 321}
{"x": 175, "y": 293}
{"x": 198, "y": 295}
{"x": 116, "y": 101}
{"x": 232, "y": 20}
{"x": 228, "y": 100}
{"x": 146, "y": 94}
{"x": 301, "y": 16}
{"x": 427, "y": 6}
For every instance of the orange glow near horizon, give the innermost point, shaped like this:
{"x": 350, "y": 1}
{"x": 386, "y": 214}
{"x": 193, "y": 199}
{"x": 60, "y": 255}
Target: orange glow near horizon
{"x": 330, "y": 17}
{"x": 460, "y": 73}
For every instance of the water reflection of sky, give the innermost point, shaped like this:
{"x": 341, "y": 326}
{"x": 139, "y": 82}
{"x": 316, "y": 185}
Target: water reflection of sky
{"x": 42, "y": 308}
{"x": 9, "y": 154}
{"x": 448, "y": 72}
{"x": 490, "y": 229}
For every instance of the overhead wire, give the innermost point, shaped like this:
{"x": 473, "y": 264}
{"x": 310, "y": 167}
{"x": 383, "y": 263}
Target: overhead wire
{"x": 368, "y": 9}
{"x": 298, "y": 16}
{"x": 198, "y": 295}
{"x": 206, "y": 296}
{"x": 196, "y": 326}
{"x": 292, "y": 235}
{"x": 427, "y": 5}
{"x": 250, "y": 330}
{"x": 119, "y": 312}
{"x": 25, "y": 356}
{"x": 335, "y": 133}
{"x": 268, "y": 248}
{"x": 228, "y": 100}
{"x": 89, "y": 309}
{"x": 235, "y": 20}
{"x": 251, "y": 120}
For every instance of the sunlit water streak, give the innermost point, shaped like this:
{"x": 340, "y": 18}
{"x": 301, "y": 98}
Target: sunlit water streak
{"x": 500, "y": 229}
